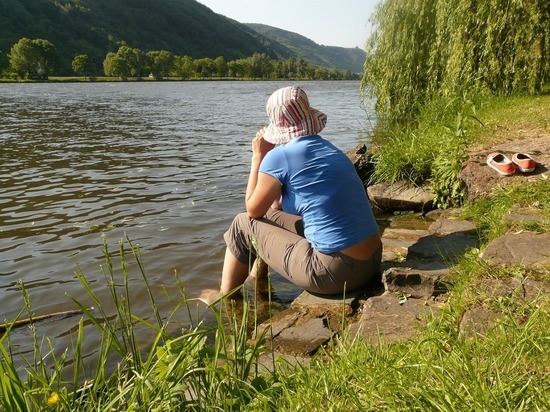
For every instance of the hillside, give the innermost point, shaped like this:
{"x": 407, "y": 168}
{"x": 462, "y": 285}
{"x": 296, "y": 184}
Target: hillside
{"x": 327, "y": 56}
{"x": 183, "y": 27}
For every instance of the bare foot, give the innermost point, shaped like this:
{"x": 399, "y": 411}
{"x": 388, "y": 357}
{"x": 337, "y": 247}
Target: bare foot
{"x": 209, "y": 296}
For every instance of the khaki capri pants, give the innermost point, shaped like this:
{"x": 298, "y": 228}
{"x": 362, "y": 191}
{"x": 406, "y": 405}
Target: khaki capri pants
{"x": 278, "y": 240}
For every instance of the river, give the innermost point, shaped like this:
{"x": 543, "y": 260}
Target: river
{"x": 163, "y": 163}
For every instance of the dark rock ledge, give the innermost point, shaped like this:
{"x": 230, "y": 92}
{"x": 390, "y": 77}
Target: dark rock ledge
{"x": 415, "y": 279}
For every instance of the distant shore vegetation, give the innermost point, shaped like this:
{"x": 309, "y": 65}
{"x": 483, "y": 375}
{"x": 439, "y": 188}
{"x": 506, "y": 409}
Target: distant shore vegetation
{"x": 38, "y": 60}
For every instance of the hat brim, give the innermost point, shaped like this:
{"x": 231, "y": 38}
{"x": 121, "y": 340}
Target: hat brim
{"x": 313, "y": 124}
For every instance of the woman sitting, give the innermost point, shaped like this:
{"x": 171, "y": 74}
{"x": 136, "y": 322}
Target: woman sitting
{"x": 307, "y": 213}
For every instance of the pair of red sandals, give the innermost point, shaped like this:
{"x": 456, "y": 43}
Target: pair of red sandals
{"x": 506, "y": 167}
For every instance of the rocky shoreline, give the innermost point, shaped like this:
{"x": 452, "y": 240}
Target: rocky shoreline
{"x": 417, "y": 262}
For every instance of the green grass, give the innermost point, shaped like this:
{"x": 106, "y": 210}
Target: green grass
{"x": 500, "y": 114}
{"x": 503, "y": 371}
{"x": 180, "y": 372}
{"x": 432, "y": 150}
{"x": 490, "y": 214}
{"x": 217, "y": 368}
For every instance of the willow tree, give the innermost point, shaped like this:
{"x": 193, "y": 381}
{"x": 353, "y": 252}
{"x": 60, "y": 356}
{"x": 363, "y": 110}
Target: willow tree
{"x": 426, "y": 49}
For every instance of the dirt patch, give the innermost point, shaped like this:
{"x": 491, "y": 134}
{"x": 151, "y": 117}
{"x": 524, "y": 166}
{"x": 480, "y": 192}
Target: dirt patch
{"x": 481, "y": 180}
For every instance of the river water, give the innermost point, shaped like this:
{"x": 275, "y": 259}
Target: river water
{"x": 163, "y": 163}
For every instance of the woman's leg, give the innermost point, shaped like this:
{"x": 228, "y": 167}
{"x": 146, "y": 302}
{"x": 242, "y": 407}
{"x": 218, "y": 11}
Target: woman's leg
{"x": 241, "y": 251}
{"x": 234, "y": 273}
{"x": 259, "y": 269}
{"x": 251, "y": 241}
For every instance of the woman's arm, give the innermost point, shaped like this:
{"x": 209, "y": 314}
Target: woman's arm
{"x": 262, "y": 189}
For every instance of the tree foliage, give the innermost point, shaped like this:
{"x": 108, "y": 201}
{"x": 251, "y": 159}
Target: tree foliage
{"x": 33, "y": 58}
{"x": 83, "y": 65}
{"x": 116, "y": 65}
{"x": 427, "y": 49}
{"x": 129, "y": 62}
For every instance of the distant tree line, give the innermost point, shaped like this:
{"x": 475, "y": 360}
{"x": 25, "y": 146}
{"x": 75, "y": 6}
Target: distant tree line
{"x": 39, "y": 59}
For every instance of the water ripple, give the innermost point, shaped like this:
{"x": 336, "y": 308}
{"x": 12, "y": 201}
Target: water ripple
{"x": 163, "y": 163}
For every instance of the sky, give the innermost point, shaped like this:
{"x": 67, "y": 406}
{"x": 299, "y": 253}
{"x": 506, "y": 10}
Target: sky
{"x": 343, "y": 23}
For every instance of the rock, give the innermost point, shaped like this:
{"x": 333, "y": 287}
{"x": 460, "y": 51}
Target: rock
{"x": 385, "y": 319}
{"x": 309, "y": 299}
{"x": 268, "y": 360}
{"x": 416, "y": 283}
{"x": 524, "y": 290}
{"x": 525, "y": 217}
{"x": 446, "y": 240}
{"x": 444, "y": 227}
{"x": 525, "y": 248}
{"x": 362, "y": 161}
{"x": 280, "y": 322}
{"x": 477, "y": 322}
{"x": 396, "y": 242}
{"x": 401, "y": 197}
{"x": 535, "y": 292}
{"x": 310, "y": 322}
{"x": 448, "y": 248}
{"x": 305, "y": 338}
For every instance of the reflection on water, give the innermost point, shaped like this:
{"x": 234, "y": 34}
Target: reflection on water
{"x": 162, "y": 163}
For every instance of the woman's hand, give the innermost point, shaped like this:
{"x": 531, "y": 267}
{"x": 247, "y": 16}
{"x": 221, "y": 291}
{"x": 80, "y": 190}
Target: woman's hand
{"x": 262, "y": 189}
{"x": 260, "y": 146}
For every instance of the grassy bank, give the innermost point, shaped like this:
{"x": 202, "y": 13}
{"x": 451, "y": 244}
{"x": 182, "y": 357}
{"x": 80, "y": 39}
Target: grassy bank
{"x": 217, "y": 368}
{"x": 432, "y": 150}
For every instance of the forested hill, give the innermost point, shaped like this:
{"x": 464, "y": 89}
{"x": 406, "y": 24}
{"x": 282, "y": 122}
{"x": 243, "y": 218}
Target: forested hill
{"x": 326, "y": 56}
{"x": 183, "y": 27}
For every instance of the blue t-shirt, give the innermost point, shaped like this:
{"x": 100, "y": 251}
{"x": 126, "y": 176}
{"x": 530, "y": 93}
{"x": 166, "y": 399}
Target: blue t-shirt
{"x": 319, "y": 183}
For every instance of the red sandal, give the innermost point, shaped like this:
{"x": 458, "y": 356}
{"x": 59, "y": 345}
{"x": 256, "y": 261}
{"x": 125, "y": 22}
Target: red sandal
{"x": 501, "y": 164}
{"x": 524, "y": 162}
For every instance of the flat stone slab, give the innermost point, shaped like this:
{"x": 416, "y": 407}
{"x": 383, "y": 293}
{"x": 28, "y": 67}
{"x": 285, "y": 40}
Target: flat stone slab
{"x": 388, "y": 318}
{"x": 525, "y": 290}
{"x": 395, "y": 250}
{"x": 396, "y": 242}
{"x": 448, "y": 248}
{"x": 305, "y": 338}
{"x": 446, "y": 239}
{"x": 526, "y": 248}
{"x": 267, "y": 360}
{"x": 478, "y": 321}
{"x": 525, "y": 217}
{"x": 406, "y": 234}
{"x": 444, "y": 227}
{"x": 400, "y": 196}
{"x": 309, "y": 299}
{"x": 282, "y": 321}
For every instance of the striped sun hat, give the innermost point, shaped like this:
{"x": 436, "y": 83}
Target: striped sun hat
{"x": 290, "y": 116}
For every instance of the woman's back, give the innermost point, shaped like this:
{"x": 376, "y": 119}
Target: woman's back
{"x": 320, "y": 184}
